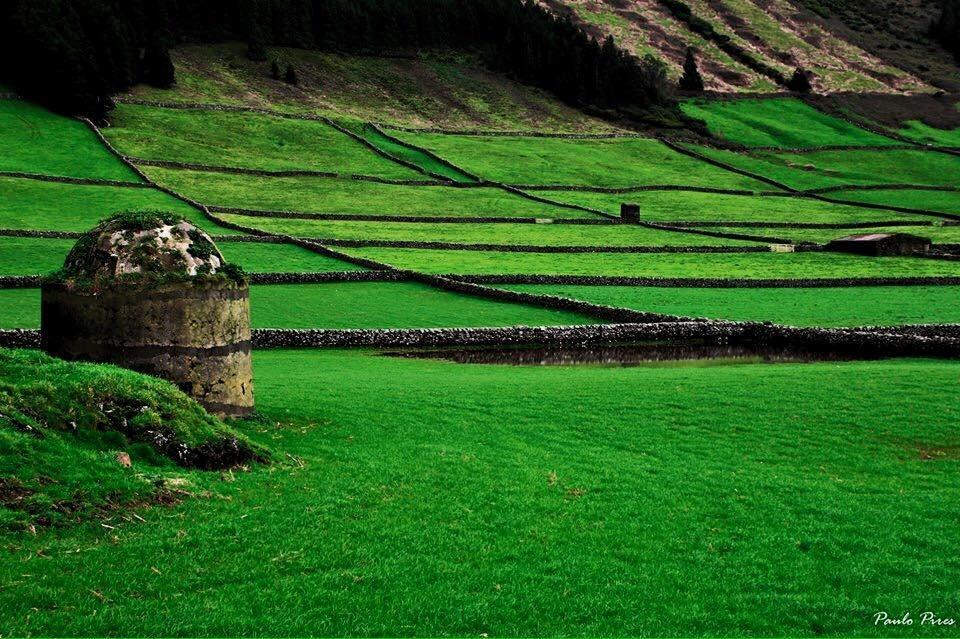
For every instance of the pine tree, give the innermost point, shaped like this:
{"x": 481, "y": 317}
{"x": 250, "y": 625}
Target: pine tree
{"x": 275, "y": 70}
{"x": 156, "y": 68}
{"x": 800, "y": 82}
{"x": 947, "y": 27}
{"x": 290, "y": 77}
{"x": 691, "y": 80}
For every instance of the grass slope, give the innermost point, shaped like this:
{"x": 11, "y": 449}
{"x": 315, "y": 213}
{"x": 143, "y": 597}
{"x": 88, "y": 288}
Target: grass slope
{"x": 724, "y": 266}
{"x": 244, "y": 140}
{"x": 495, "y": 500}
{"x": 346, "y": 305}
{"x": 333, "y": 195}
{"x": 450, "y": 90}
{"x": 19, "y": 308}
{"x": 608, "y": 163}
{"x": 855, "y": 306}
{"x": 39, "y": 256}
{"x": 61, "y": 425}
{"x": 786, "y": 123}
{"x": 497, "y": 233}
{"x": 51, "y": 206}
{"x": 390, "y": 305}
{"x": 679, "y": 206}
{"x": 818, "y": 169}
{"x": 35, "y": 140}
{"x": 938, "y": 234}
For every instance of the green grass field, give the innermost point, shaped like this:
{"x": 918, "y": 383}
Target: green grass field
{"x": 938, "y": 234}
{"x": 854, "y": 306}
{"x": 498, "y": 233}
{"x": 346, "y": 305}
{"x": 355, "y": 197}
{"x": 608, "y": 163}
{"x": 679, "y": 206}
{"x": 690, "y": 265}
{"x": 922, "y": 132}
{"x": 493, "y": 500}
{"x": 51, "y": 206}
{"x": 244, "y": 140}
{"x": 785, "y": 123}
{"x": 39, "y": 256}
{"x": 20, "y": 308}
{"x": 390, "y": 305}
{"x": 408, "y": 153}
{"x": 35, "y": 140}
{"x": 941, "y": 201}
{"x": 818, "y": 169}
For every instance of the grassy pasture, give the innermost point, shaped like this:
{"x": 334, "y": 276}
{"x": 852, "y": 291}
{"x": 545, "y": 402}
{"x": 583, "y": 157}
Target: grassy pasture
{"x": 345, "y": 305}
{"x": 389, "y": 305}
{"x": 853, "y": 306}
{"x": 408, "y": 153}
{"x": 39, "y": 256}
{"x": 256, "y": 257}
{"x": 943, "y": 201}
{"x": 446, "y": 89}
{"x": 35, "y": 140}
{"x": 785, "y": 123}
{"x": 938, "y": 234}
{"x": 690, "y": 489}
{"x": 679, "y": 206}
{"x": 498, "y": 233}
{"x": 355, "y": 197}
{"x": 32, "y": 256}
{"x": 20, "y": 308}
{"x": 818, "y": 169}
{"x": 607, "y": 163}
{"x": 51, "y": 206}
{"x": 690, "y": 265}
{"x": 923, "y": 132}
{"x": 244, "y": 140}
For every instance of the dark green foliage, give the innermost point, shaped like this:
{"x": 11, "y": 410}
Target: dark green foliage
{"x": 947, "y": 27}
{"x": 77, "y": 52}
{"x": 157, "y": 68}
{"x": 800, "y": 81}
{"x": 691, "y": 79}
{"x": 275, "y": 70}
{"x": 290, "y": 77}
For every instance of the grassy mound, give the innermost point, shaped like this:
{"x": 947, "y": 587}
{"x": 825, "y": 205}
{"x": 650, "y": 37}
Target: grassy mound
{"x": 63, "y": 427}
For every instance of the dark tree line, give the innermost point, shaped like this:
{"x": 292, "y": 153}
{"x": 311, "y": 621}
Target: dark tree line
{"x": 72, "y": 54}
{"x": 946, "y": 28}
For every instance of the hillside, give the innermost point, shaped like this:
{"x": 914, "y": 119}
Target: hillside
{"x": 879, "y": 46}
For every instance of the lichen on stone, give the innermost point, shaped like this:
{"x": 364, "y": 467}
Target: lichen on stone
{"x": 144, "y": 247}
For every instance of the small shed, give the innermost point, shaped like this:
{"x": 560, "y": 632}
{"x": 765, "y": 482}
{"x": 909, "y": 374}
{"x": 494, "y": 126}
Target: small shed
{"x": 630, "y": 213}
{"x": 881, "y": 244}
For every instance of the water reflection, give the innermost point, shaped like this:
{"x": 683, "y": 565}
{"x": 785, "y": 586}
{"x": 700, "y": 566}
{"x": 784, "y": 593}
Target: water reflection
{"x": 639, "y": 354}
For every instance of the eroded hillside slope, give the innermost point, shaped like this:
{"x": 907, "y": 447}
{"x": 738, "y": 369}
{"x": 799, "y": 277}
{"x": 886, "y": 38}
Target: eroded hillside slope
{"x": 752, "y": 45}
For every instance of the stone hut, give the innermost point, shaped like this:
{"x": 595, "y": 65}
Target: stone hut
{"x": 630, "y": 213}
{"x": 151, "y": 292}
{"x": 881, "y": 244}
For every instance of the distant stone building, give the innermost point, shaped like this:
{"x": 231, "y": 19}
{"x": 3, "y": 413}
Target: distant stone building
{"x": 630, "y": 213}
{"x": 151, "y": 292}
{"x": 881, "y": 244}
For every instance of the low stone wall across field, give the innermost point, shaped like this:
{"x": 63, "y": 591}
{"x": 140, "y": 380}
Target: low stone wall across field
{"x": 668, "y": 282}
{"x": 40, "y": 177}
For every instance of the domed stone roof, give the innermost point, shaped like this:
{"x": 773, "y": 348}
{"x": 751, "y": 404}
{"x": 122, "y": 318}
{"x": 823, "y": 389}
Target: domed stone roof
{"x": 143, "y": 243}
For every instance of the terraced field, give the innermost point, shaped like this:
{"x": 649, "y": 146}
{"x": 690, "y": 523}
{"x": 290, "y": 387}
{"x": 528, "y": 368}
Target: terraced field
{"x": 717, "y": 477}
